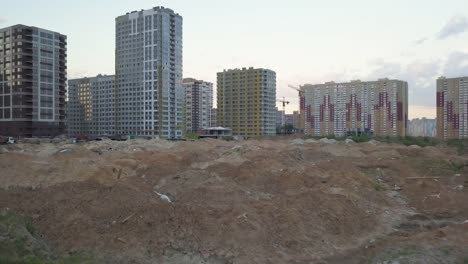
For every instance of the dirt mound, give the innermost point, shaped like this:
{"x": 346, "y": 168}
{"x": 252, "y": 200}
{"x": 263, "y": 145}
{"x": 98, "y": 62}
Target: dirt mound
{"x": 256, "y": 201}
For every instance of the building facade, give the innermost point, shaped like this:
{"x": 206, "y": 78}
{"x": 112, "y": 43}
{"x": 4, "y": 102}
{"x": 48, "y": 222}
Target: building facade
{"x": 91, "y": 106}
{"x": 199, "y": 102}
{"x": 214, "y": 117}
{"x": 247, "y": 101}
{"x": 292, "y": 120}
{"x": 422, "y": 127}
{"x": 33, "y": 75}
{"x": 452, "y": 108}
{"x": 378, "y": 107}
{"x": 280, "y": 118}
{"x": 149, "y": 91}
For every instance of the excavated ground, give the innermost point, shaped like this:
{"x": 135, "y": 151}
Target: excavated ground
{"x": 255, "y": 201}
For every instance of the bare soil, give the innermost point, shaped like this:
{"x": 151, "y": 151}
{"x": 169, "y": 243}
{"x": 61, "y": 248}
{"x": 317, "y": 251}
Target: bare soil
{"x": 255, "y": 201}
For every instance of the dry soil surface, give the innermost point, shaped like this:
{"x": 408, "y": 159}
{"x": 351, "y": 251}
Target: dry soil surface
{"x": 255, "y": 201}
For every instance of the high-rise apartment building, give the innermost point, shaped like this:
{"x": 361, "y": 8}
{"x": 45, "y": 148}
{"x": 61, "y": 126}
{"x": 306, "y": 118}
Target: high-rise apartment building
{"x": 247, "y": 101}
{"x": 214, "y": 117}
{"x": 149, "y": 91}
{"x": 452, "y": 108}
{"x": 33, "y": 75}
{"x": 377, "y": 107}
{"x": 91, "y": 106}
{"x": 199, "y": 102}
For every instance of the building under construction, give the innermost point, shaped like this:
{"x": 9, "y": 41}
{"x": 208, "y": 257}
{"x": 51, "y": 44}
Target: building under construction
{"x": 377, "y": 108}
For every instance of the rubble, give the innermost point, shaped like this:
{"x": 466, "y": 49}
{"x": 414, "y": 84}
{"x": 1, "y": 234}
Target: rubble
{"x": 298, "y": 142}
{"x": 311, "y": 141}
{"x": 327, "y": 141}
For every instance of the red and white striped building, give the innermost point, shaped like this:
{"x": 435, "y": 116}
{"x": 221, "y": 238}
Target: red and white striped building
{"x": 452, "y": 108}
{"x": 376, "y": 107}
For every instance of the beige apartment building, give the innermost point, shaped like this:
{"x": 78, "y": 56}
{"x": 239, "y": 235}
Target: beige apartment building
{"x": 377, "y": 108}
{"x": 452, "y": 108}
{"x": 247, "y": 101}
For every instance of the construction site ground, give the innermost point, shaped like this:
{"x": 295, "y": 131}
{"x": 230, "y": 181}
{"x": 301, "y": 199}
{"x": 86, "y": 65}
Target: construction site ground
{"x": 215, "y": 202}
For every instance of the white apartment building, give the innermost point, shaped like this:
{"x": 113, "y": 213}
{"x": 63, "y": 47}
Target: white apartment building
{"x": 150, "y": 95}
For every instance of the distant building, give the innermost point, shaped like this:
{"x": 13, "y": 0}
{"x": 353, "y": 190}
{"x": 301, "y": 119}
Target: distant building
{"x": 422, "y": 127}
{"x": 33, "y": 76}
{"x": 292, "y": 120}
{"x": 149, "y": 91}
{"x": 452, "y": 108}
{"x": 214, "y": 117}
{"x": 215, "y": 132}
{"x": 376, "y": 107}
{"x": 91, "y": 106}
{"x": 199, "y": 102}
{"x": 247, "y": 100}
{"x": 287, "y": 123}
{"x": 279, "y": 118}
{"x": 296, "y": 120}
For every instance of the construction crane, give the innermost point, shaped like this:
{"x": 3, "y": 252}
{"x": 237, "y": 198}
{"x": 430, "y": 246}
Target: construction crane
{"x": 284, "y": 102}
{"x": 301, "y": 106}
{"x": 296, "y": 88}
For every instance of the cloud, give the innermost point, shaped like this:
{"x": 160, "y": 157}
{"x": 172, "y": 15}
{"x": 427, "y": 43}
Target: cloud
{"x": 2, "y": 20}
{"x": 456, "y": 25}
{"x": 420, "y": 75}
{"x": 456, "y": 65}
{"x": 79, "y": 73}
{"x": 420, "y": 41}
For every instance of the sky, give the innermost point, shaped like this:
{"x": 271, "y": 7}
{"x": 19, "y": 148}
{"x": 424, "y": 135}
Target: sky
{"x": 304, "y": 41}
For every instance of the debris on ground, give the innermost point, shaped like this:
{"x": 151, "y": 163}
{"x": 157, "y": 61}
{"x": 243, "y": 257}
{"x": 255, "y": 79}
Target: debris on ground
{"x": 163, "y": 197}
{"x": 311, "y": 141}
{"x": 298, "y": 142}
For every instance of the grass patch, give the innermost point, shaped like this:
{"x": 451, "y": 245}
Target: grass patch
{"x": 460, "y": 144}
{"x": 446, "y": 250}
{"x": 440, "y": 167}
{"x": 192, "y": 136}
{"x": 409, "y": 141}
{"x": 402, "y": 255}
{"x": 21, "y": 243}
{"x": 361, "y": 139}
{"x": 379, "y": 187}
{"x": 456, "y": 167}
